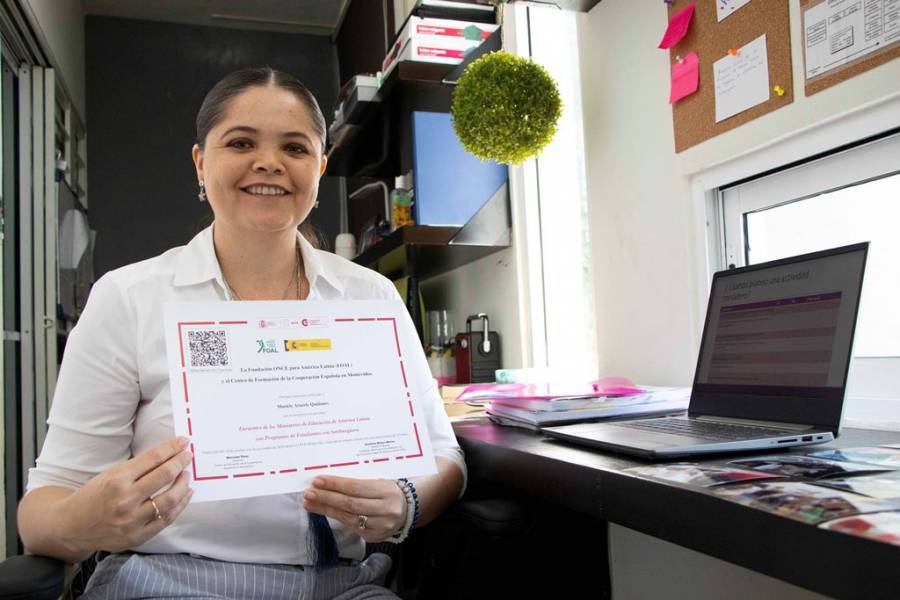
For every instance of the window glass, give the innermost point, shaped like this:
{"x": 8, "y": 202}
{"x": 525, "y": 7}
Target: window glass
{"x": 570, "y": 324}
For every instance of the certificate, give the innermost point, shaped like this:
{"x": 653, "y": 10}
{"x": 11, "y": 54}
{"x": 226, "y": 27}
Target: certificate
{"x": 272, "y": 394}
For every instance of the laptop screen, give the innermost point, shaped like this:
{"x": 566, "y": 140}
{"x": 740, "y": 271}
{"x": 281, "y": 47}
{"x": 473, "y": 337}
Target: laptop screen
{"x": 779, "y": 335}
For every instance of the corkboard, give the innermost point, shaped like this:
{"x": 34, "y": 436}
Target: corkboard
{"x": 694, "y": 117}
{"x": 853, "y": 68}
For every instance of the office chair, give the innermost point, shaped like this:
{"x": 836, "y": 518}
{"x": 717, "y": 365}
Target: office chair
{"x": 28, "y": 577}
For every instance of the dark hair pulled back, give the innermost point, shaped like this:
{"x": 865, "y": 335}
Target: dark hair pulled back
{"x": 216, "y": 102}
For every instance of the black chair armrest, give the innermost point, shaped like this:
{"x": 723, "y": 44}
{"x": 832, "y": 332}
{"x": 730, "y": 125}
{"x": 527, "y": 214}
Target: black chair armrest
{"x": 496, "y": 518}
{"x": 30, "y": 577}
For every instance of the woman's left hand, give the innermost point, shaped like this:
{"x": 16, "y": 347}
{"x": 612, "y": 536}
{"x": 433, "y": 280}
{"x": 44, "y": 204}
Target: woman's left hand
{"x": 377, "y": 504}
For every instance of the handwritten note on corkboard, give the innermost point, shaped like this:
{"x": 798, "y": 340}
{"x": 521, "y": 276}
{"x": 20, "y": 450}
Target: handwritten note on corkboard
{"x": 694, "y": 117}
{"x": 842, "y": 40}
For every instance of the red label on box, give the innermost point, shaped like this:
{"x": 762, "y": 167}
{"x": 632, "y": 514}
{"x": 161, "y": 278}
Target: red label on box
{"x": 425, "y": 51}
{"x": 448, "y": 31}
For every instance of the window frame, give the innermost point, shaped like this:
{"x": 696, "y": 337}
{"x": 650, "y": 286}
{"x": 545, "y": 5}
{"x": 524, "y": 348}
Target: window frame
{"x": 846, "y": 168}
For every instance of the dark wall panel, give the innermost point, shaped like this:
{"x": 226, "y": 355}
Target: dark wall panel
{"x": 145, "y": 83}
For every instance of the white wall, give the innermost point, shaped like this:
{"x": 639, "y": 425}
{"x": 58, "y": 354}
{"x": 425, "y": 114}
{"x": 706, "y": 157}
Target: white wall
{"x": 646, "y": 251}
{"x": 60, "y": 25}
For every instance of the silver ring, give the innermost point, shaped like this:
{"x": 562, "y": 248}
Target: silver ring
{"x": 361, "y": 521}
{"x": 156, "y": 508}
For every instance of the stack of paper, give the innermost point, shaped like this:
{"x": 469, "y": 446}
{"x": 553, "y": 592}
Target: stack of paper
{"x": 534, "y": 412}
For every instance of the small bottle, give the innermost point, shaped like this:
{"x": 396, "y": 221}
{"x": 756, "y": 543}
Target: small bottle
{"x": 401, "y": 208}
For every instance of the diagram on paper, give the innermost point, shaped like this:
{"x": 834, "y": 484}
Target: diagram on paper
{"x": 837, "y": 32}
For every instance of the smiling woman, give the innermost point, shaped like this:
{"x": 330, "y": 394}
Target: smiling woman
{"x": 111, "y": 474}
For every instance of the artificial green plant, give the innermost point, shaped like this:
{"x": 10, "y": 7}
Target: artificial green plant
{"x": 505, "y": 108}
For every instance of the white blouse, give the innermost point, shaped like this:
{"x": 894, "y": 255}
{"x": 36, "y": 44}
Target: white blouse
{"x": 112, "y": 400}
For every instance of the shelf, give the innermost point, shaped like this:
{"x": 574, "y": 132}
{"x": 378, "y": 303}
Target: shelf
{"x": 370, "y": 142}
{"x": 378, "y": 143}
{"x": 373, "y": 146}
{"x": 423, "y": 251}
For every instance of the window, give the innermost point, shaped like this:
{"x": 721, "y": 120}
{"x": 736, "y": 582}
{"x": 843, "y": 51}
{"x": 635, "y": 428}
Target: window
{"x": 847, "y": 197}
{"x": 563, "y": 315}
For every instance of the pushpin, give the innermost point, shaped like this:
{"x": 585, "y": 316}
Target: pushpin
{"x": 679, "y": 59}
{"x": 732, "y": 52}
{"x": 779, "y": 90}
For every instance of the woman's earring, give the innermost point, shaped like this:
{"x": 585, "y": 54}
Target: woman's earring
{"x": 202, "y": 193}
{"x": 316, "y": 205}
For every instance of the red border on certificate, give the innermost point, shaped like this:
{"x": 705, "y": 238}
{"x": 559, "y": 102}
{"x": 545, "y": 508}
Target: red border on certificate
{"x": 190, "y": 425}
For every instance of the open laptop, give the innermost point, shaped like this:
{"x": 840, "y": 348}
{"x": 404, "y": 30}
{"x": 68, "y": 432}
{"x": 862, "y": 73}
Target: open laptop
{"x": 773, "y": 363}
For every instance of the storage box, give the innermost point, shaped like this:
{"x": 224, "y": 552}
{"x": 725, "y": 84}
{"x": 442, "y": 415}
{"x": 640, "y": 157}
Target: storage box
{"x": 447, "y": 28}
{"x": 435, "y": 40}
{"x": 448, "y": 52}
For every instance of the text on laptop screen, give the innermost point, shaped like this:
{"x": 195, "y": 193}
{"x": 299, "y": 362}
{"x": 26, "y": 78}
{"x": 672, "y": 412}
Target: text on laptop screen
{"x": 787, "y": 325}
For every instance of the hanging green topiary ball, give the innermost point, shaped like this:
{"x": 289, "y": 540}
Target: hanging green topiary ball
{"x": 505, "y": 108}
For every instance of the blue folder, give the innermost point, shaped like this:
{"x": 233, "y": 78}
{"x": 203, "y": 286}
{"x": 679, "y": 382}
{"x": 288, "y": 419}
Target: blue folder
{"x": 450, "y": 184}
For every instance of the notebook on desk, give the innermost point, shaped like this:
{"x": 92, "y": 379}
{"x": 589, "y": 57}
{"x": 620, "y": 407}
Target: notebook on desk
{"x": 772, "y": 369}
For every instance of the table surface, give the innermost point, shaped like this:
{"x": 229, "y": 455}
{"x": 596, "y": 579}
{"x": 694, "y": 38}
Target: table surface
{"x": 593, "y": 482}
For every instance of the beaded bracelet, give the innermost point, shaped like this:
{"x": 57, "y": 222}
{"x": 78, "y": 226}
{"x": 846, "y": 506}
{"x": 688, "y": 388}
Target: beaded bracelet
{"x": 412, "y": 489}
{"x": 412, "y": 510}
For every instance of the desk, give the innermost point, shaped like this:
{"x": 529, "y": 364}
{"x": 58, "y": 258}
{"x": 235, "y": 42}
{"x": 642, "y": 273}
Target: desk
{"x": 594, "y": 483}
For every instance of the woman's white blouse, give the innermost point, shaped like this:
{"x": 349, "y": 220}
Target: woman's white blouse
{"x": 112, "y": 400}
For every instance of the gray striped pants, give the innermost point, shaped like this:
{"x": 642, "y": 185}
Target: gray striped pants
{"x": 169, "y": 576}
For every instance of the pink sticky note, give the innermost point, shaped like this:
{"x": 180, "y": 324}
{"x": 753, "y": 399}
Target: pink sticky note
{"x": 678, "y": 26}
{"x": 685, "y": 77}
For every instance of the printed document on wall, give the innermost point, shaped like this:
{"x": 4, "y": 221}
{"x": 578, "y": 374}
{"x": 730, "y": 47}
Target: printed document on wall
{"x": 742, "y": 79}
{"x": 836, "y": 32}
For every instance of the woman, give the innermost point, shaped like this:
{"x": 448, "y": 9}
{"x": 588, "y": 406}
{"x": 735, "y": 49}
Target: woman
{"x": 111, "y": 477}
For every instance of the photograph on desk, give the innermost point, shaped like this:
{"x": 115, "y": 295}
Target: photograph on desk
{"x": 805, "y": 467}
{"x": 881, "y": 527}
{"x": 885, "y": 457}
{"x": 885, "y": 486}
{"x": 704, "y": 476}
{"x": 803, "y": 502}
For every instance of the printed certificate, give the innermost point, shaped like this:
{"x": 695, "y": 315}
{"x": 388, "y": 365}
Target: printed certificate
{"x": 272, "y": 394}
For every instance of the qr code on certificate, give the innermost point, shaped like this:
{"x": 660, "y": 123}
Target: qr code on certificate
{"x": 208, "y": 348}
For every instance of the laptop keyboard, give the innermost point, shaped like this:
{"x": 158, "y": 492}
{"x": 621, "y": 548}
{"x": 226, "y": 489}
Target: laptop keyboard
{"x": 705, "y": 429}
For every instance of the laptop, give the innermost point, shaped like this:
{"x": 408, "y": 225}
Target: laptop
{"x": 773, "y": 363}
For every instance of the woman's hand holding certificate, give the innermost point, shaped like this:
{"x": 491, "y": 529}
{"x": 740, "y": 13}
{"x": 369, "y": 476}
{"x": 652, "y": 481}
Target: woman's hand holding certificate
{"x": 378, "y": 501}
{"x": 130, "y": 503}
